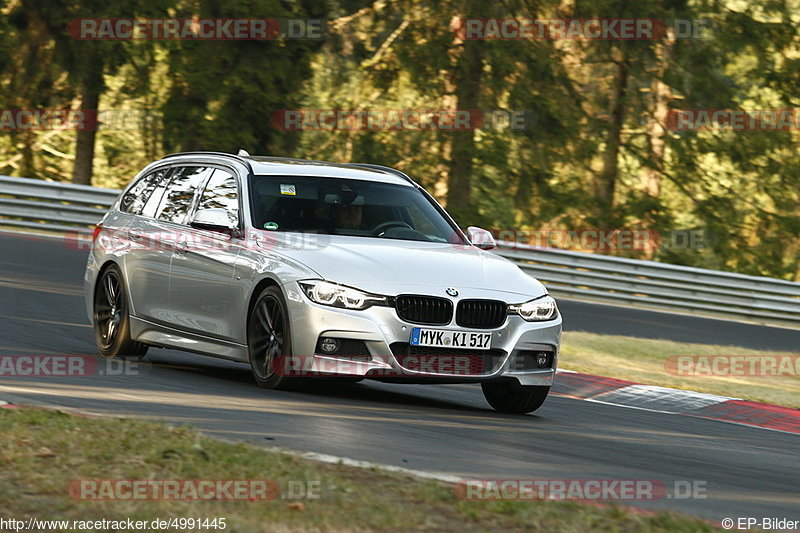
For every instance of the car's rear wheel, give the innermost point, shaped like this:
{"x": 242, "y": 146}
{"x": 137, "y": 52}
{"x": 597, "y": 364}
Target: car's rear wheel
{"x": 111, "y": 318}
{"x": 508, "y": 396}
{"x": 269, "y": 341}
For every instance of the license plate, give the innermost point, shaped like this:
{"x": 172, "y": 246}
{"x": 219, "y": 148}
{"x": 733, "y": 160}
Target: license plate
{"x": 440, "y": 338}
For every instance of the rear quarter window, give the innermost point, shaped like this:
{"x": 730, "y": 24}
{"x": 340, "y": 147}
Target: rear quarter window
{"x": 136, "y": 198}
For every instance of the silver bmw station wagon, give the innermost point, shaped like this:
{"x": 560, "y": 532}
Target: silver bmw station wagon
{"x": 307, "y": 269}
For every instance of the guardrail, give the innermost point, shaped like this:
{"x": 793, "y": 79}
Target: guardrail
{"x": 679, "y": 288}
{"x": 28, "y": 203}
{"x": 48, "y": 205}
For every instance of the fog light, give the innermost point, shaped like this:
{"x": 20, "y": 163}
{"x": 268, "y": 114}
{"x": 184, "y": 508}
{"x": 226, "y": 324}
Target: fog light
{"x": 329, "y": 345}
{"x": 542, "y": 359}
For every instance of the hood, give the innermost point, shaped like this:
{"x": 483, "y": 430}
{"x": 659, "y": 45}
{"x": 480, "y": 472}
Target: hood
{"x": 390, "y": 266}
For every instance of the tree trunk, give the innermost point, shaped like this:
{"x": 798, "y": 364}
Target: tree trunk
{"x": 660, "y": 94}
{"x": 91, "y": 88}
{"x": 27, "y": 169}
{"x": 467, "y": 81}
{"x": 607, "y": 180}
{"x": 655, "y": 136}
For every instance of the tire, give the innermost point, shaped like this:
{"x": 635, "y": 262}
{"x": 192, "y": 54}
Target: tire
{"x": 508, "y": 396}
{"x": 268, "y": 337}
{"x": 111, "y": 317}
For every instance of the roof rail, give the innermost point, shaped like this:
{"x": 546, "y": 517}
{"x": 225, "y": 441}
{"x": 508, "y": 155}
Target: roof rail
{"x": 385, "y": 169}
{"x": 224, "y": 154}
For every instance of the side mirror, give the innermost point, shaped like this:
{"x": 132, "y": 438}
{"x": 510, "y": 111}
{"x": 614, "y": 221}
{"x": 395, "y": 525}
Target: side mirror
{"x": 481, "y": 238}
{"x": 215, "y": 219}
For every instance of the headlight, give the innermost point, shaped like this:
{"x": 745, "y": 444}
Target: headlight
{"x": 543, "y": 308}
{"x": 335, "y": 295}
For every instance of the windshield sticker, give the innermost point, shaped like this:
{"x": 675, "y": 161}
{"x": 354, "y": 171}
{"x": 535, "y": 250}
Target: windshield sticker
{"x": 288, "y": 190}
{"x": 271, "y": 225}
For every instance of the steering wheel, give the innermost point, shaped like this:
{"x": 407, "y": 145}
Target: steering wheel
{"x": 381, "y": 228}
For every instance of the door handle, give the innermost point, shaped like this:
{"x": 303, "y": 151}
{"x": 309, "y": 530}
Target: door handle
{"x": 136, "y": 235}
{"x": 181, "y": 248}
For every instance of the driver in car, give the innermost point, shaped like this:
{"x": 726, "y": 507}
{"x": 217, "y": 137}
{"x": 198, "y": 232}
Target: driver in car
{"x": 347, "y": 216}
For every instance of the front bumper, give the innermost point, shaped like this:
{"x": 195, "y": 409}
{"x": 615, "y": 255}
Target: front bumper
{"x": 381, "y": 330}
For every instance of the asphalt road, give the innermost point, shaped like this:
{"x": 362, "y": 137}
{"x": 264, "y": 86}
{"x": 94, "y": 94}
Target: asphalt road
{"x": 746, "y": 471}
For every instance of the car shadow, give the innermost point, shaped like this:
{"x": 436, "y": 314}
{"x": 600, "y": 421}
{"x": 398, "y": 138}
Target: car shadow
{"x": 345, "y": 391}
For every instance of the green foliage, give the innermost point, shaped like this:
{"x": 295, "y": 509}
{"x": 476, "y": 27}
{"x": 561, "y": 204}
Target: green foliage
{"x": 222, "y": 92}
{"x": 594, "y": 153}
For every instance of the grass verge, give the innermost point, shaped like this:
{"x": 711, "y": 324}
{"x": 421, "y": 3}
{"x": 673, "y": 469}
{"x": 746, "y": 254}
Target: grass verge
{"x": 42, "y": 451}
{"x": 643, "y": 361}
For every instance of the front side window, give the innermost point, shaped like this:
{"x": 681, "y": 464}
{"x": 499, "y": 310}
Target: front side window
{"x": 221, "y": 193}
{"x": 180, "y": 193}
{"x": 136, "y": 198}
{"x": 347, "y": 207}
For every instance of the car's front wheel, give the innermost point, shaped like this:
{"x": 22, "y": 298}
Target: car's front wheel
{"x": 111, "y": 317}
{"x": 269, "y": 341}
{"x": 508, "y": 396}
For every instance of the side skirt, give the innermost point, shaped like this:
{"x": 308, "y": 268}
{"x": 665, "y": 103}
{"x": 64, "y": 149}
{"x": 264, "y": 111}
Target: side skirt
{"x": 163, "y": 336}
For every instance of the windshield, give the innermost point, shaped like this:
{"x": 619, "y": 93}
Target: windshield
{"x": 347, "y": 207}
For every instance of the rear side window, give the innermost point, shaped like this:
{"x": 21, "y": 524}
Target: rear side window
{"x": 149, "y": 209}
{"x": 180, "y": 193}
{"x": 221, "y": 193}
{"x": 134, "y": 200}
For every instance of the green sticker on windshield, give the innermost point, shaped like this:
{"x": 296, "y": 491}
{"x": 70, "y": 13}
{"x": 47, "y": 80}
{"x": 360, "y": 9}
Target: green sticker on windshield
{"x": 271, "y": 225}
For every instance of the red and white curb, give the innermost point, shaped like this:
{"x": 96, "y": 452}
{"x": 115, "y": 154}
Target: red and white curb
{"x": 6, "y": 405}
{"x": 614, "y": 391}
